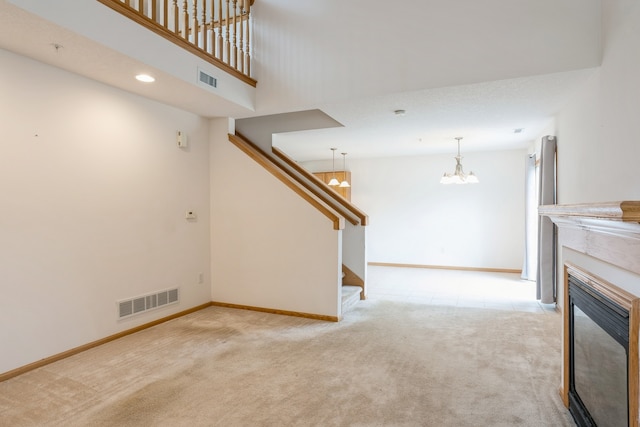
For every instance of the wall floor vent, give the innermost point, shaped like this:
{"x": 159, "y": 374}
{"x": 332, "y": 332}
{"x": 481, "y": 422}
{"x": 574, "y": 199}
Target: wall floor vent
{"x": 132, "y": 306}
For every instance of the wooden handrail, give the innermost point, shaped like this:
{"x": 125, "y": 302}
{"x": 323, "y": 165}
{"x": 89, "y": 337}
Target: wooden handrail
{"x": 311, "y": 188}
{"x": 259, "y": 156}
{"x": 335, "y": 197}
{"x": 322, "y": 195}
{"x": 209, "y": 36}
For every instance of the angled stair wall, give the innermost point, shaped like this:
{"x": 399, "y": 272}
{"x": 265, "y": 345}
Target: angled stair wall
{"x": 270, "y": 248}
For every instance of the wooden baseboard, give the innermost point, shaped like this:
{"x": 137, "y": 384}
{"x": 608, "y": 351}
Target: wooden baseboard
{"x": 445, "y": 267}
{"x": 56, "y": 357}
{"x": 275, "y": 311}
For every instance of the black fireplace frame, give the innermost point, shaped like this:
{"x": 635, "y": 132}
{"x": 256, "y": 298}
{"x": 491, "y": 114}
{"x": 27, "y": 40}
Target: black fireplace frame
{"x": 609, "y": 315}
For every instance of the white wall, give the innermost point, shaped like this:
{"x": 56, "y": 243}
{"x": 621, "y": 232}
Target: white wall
{"x": 416, "y": 220}
{"x": 354, "y": 249}
{"x": 598, "y": 129}
{"x": 335, "y": 44}
{"x": 269, "y": 247}
{"x": 93, "y": 192}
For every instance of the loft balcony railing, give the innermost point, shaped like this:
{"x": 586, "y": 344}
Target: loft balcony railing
{"x": 219, "y": 31}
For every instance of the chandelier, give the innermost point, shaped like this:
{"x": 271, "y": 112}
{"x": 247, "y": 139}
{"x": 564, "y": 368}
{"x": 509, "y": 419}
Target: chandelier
{"x": 459, "y": 177}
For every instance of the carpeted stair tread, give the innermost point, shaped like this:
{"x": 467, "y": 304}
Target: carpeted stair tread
{"x": 350, "y": 296}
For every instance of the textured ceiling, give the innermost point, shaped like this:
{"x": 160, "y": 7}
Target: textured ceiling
{"x": 486, "y": 115}
{"x": 472, "y": 68}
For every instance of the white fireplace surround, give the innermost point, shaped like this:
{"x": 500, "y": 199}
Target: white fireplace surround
{"x": 602, "y": 239}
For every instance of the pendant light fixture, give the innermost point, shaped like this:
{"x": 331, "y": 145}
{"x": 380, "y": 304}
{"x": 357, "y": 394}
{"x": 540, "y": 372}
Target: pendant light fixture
{"x": 344, "y": 182}
{"x": 459, "y": 177}
{"x": 334, "y": 181}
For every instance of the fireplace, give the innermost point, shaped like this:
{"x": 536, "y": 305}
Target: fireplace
{"x": 600, "y": 258}
{"x": 599, "y": 329}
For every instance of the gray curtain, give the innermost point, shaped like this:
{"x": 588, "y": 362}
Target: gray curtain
{"x": 530, "y": 263}
{"x": 546, "y": 277}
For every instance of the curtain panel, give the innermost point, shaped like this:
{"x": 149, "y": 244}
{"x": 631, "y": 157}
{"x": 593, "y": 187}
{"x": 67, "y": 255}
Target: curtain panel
{"x": 530, "y": 264}
{"x": 546, "y": 277}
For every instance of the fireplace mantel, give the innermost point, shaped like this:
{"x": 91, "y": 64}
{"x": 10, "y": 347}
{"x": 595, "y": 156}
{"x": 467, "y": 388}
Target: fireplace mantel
{"x": 612, "y": 211}
{"x": 607, "y": 231}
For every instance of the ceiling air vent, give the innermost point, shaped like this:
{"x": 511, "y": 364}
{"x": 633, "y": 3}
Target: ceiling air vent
{"x": 208, "y": 80}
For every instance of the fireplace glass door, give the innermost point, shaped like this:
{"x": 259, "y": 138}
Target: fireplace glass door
{"x": 598, "y": 389}
{"x": 600, "y": 372}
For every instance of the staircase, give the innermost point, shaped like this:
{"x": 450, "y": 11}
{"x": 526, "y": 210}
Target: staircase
{"x": 350, "y": 296}
{"x": 352, "y": 290}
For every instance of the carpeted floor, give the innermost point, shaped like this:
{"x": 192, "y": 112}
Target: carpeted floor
{"x": 388, "y": 363}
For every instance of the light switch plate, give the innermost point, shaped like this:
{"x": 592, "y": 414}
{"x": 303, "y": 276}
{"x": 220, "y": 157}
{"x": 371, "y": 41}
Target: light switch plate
{"x": 181, "y": 139}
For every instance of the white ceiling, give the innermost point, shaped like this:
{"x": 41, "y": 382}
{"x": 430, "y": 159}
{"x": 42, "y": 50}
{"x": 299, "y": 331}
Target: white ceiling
{"x": 486, "y": 115}
{"x": 472, "y": 68}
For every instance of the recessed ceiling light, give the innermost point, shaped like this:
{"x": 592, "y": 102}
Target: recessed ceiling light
{"x": 146, "y": 78}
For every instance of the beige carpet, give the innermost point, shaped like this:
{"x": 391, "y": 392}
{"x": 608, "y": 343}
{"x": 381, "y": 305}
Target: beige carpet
{"x": 386, "y": 364}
